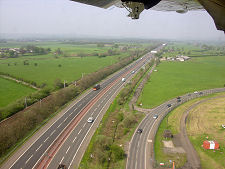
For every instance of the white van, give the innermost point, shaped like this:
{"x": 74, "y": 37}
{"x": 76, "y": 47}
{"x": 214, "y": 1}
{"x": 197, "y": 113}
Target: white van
{"x": 123, "y": 79}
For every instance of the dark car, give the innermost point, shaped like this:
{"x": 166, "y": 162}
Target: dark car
{"x": 178, "y": 100}
{"x": 189, "y": 94}
{"x": 169, "y": 105}
{"x": 139, "y": 131}
{"x": 61, "y": 166}
{"x": 178, "y": 97}
{"x": 200, "y": 93}
{"x": 96, "y": 87}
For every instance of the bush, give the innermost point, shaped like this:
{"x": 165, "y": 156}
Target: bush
{"x": 129, "y": 121}
{"x": 117, "y": 152}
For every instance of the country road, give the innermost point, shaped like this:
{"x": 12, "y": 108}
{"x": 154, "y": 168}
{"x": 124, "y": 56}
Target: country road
{"x": 141, "y": 146}
{"x": 64, "y": 141}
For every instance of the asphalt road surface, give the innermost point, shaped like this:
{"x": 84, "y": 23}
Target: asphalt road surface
{"x": 65, "y": 141}
{"x": 141, "y": 147}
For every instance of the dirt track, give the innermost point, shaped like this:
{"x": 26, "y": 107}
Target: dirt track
{"x": 193, "y": 160}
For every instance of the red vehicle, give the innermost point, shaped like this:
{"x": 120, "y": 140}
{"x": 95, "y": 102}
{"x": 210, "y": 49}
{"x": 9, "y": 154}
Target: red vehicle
{"x": 97, "y": 86}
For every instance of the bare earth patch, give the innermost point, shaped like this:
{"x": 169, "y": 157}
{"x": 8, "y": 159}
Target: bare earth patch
{"x": 170, "y": 148}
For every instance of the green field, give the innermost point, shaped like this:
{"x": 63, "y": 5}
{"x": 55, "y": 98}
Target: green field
{"x": 177, "y": 78}
{"x": 47, "y": 68}
{"x": 11, "y": 91}
{"x": 193, "y": 49}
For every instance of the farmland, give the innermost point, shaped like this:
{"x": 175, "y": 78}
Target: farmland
{"x": 177, "y": 78}
{"x": 69, "y": 66}
{"x": 11, "y": 91}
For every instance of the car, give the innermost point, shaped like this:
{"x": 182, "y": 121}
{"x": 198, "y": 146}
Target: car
{"x": 178, "y": 100}
{"x": 90, "y": 120}
{"x": 96, "y": 87}
{"x": 155, "y": 116}
{"x": 139, "y": 131}
{"x": 61, "y": 166}
{"x": 178, "y": 97}
{"x": 169, "y": 105}
{"x": 200, "y": 93}
{"x": 123, "y": 79}
{"x": 195, "y": 92}
{"x": 133, "y": 72}
{"x": 189, "y": 94}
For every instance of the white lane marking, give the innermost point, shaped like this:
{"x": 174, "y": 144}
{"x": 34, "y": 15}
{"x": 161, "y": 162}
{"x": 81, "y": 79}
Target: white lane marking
{"x": 29, "y": 159}
{"x": 52, "y": 133}
{"x": 74, "y": 139}
{"x": 65, "y": 119}
{"x": 102, "y": 101}
{"x": 79, "y": 131}
{"x": 75, "y": 109}
{"x": 147, "y": 142}
{"x": 92, "y": 125}
{"x": 84, "y": 125}
{"x": 67, "y": 149}
{"x": 79, "y": 98}
{"x": 95, "y": 109}
{"x": 61, "y": 160}
{"x": 39, "y": 147}
{"x": 59, "y": 125}
{"x": 46, "y": 139}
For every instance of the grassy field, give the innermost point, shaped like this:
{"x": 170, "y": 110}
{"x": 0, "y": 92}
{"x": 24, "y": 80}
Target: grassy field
{"x": 11, "y": 91}
{"x": 47, "y": 68}
{"x": 192, "y": 49}
{"x": 206, "y": 120}
{"x": 173, "y": 125}
{"x": 177, "y": 78}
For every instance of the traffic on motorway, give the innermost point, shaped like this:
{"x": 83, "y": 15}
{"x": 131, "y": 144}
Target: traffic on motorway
{"x": 65, "y": 141}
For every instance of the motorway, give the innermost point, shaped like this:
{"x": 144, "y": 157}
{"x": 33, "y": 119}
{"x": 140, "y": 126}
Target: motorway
{"x": 65, "y": 141}
{"x": 141, "y": 147}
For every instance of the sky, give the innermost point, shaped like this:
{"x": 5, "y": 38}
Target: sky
{"x": 64, "y": 17}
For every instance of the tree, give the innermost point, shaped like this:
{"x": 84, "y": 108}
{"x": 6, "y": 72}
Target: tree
{"x": 58, "y": 51}
{"x": 58, "y": 84}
